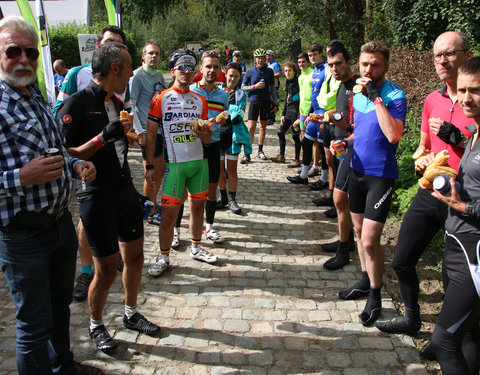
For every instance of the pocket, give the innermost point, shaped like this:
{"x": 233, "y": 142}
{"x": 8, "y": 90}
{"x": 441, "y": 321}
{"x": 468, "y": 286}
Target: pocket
{"x": 28, "y": 138}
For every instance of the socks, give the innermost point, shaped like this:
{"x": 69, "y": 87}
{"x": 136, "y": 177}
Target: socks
{"x": 358, "y": 290}
{"x": 304, "y": 172}
{"x": 88, "y": 269}
{"x": 130, "y": 311}
{"x": 260, "y": 148}
{"x": 323, "y": 175}
{"x": 165, "y": 255}
{"x": 195, "y": 245}
{"x": 176, "y": 230}
{"x": 224, "y": 196}
{"x": 95, "y": 324}
{"x": 210, "y": 207}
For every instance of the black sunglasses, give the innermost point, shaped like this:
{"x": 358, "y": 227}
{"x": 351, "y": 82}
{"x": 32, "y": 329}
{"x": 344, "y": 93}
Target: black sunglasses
{"x": 14, "y": 52}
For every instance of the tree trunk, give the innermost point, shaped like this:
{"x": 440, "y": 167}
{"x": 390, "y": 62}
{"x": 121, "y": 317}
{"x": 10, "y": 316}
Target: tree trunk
{"x": 368, "y": 17}
{"x": 328, "y": 15}
{"x": 295, "y": 49}
{"x": 356, "y": 14}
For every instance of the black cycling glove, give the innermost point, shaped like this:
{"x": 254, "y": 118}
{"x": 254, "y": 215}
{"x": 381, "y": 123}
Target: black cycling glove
{"x": 113, "y": 131}
{"x": 372, "y": 91}
{"x": 450, "y": 134}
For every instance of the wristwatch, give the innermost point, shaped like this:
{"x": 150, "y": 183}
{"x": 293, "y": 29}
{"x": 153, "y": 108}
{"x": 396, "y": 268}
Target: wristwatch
{"x": 149, "y": 167}
{"x": 469, "y": 210}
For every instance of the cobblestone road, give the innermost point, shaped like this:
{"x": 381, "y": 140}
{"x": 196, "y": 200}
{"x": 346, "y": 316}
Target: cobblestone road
{"x": 267, "y": 307}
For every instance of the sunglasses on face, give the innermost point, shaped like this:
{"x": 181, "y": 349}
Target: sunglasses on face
{"x": 14, "y": 52}
{"x": 186, "y": 68}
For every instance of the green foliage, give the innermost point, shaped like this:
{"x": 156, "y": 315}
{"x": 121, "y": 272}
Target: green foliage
{"x": 406, "y": 185}
{"x": 416, "y": 24}
{"x": 64, "y": 42}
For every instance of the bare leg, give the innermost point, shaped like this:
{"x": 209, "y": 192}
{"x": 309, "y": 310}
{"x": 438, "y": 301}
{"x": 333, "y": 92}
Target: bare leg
{"x": 252, "y": 126}
{"x": 105, "y": 273}
{"x": 132, "y": 254}
{"x": 262, "y": 132}
{"x": 151, "y": 191}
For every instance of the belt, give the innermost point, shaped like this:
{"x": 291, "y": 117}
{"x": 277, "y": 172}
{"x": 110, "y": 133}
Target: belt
{"x": 35, "y": 220}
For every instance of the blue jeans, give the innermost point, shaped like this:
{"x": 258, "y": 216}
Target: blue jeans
{"x": 39, "y": 266}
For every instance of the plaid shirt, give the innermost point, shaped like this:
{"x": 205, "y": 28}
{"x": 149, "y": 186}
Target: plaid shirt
{"x": 27, "y": 130}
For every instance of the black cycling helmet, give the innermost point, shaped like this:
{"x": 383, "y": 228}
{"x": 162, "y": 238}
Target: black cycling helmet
{"x": 177, "y": 54}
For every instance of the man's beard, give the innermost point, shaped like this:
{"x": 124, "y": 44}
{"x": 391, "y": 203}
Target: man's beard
{"x": 15, "y": 81}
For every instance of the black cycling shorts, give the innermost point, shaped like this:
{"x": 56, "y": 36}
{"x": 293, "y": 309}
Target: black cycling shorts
{"x": 212, "y": 154}
{"x": 328, "y": 134}
{"x": 370, "y": 195}
{"x": 112, "y": 217}
{"x": 343, "y": 171}
{"x": 258, "y": 108}
{"x": 158, "y": 148}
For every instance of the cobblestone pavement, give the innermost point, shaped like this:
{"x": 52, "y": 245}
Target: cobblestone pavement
{"x": 267, "y": 307}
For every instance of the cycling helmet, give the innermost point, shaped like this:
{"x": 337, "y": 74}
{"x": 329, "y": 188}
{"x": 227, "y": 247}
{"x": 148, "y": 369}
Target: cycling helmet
{"x": 259, "y": 52}
{"x": 181, "y": 56}
{"x": 237, "y": 53}
{"x": 271, "y": 53}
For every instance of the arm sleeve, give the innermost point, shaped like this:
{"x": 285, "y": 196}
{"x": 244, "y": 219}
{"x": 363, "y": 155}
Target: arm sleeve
{"x": 135, "y": 87}
{"x": 71, "y": 119}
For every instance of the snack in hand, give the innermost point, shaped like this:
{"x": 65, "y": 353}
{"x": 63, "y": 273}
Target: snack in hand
{"x": 133, "y": 136}
{"x": 437, "y": 168}
{"x": 360, "y": 87}
{"x": 419, "y": 156}
{"x": 313, "y": 116}
{"x": 327, "y": 116}
{"x": 222, "y": 116}
{"x": 201, "y": 124}
{"x": 127, "y": 116}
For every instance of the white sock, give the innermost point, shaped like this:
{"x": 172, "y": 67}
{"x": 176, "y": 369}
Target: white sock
{"x": 176, "y": 230}
{"x": 95, "y": 323}
{"x": 208, "y": 227}
{"x": 324, "y": 174}
{"x": 166, "y": 257}
{"x": 304, "y": 172}
{"x": 130, "y": 311}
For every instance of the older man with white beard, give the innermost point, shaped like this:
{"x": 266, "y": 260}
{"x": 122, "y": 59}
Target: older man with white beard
{"x": 38, "y": 244}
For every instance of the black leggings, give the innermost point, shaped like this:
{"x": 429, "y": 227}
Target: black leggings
{"x": 424, "y": 218}
{"x": 290, "y": 118}
{"x": 456, "y": 339}
{"x": 307, "y": 148}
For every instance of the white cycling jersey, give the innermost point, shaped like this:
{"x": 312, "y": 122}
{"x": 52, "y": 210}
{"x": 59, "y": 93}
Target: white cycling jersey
{"x": 175, "y": 111}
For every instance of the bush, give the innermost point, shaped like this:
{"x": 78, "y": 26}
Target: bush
{"x": 64, "y": 42}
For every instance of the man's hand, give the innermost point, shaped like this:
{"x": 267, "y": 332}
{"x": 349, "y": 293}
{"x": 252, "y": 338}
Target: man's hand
{"x": 435, "y": 124}
{"x": 282, "y": 120}
{"x": 205, "y": 134}
{"x": 115, "y": 130}
{"x": 143, "y": 139}
{"x": 150, "y": 176}
{"x": 260, "y": 85}
{"x": 90, "y": 173}
{"x": 424, "y": 163}
{"x": 275, "y": 109}
{"x": 296, "y": 124}
{"x": 452, "y": 199}
{"x": 372, "y": 90}
{"x": 41, "y": 170}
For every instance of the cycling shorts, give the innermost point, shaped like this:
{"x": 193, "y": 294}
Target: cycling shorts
{"x": 227, "y": 146}
{"x": 212, "y": 154}
{"x": 328, "y": 134}
{"x": 192, "y": 175}
{"x": 158, "y": 148}
{"x": 370, "y": 195}
{"x": 343, "y": 172}
{"x": 112, "y": 217}
{"x": 258, "y": 108}
{"x": 313, "y": 132}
